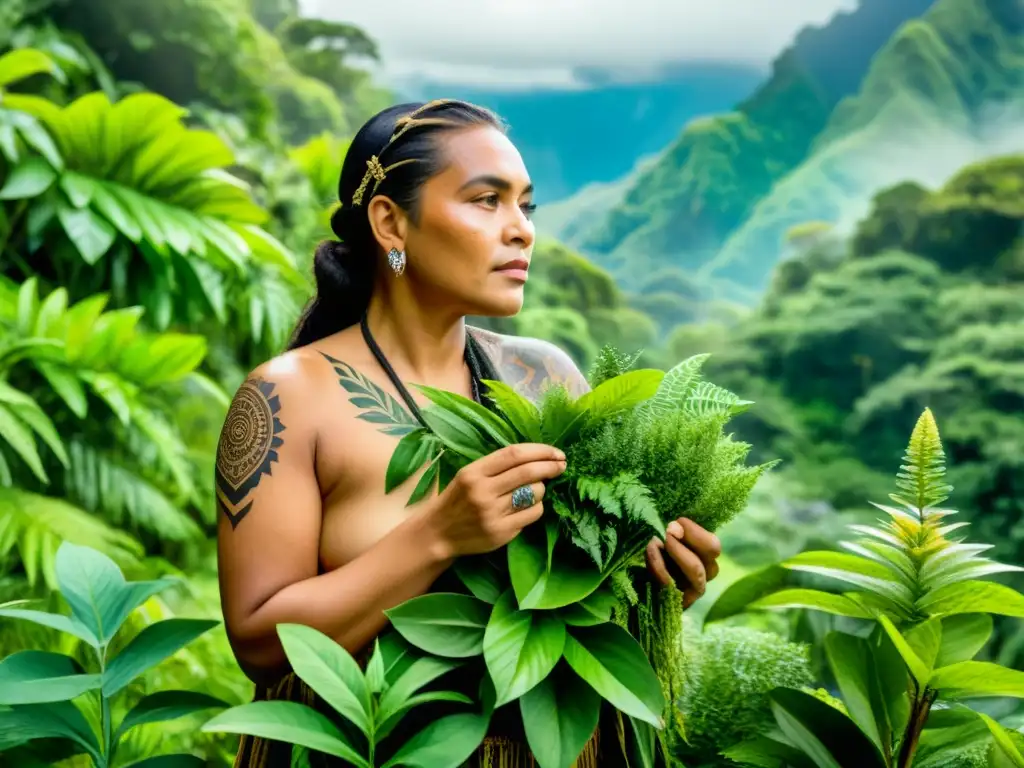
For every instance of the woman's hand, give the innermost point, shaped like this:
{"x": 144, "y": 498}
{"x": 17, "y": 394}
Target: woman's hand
{"x": 692, "y": 558}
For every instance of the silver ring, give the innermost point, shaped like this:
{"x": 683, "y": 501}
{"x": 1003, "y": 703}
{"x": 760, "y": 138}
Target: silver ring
{"x": 523, "y": 498}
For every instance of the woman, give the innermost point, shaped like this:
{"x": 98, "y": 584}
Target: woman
{"x": 434, "y": 225}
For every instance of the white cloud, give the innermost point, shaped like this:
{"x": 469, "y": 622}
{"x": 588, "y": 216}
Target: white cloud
{"x": 519, "y": 43}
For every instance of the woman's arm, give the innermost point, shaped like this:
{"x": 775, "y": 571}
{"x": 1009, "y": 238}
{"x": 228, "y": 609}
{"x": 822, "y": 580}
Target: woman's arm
{"x": 269, "y": 530}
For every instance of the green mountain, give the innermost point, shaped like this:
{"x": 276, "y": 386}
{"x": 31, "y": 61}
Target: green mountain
{"x": 707, "y": 182}
{"x": 947, "y": 90}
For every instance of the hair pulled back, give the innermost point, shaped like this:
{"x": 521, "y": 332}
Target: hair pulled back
{"x": 344, "y": 269}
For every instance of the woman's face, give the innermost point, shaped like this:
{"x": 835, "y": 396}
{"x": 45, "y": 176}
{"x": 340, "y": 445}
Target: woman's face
{"x": 472, "y": 242}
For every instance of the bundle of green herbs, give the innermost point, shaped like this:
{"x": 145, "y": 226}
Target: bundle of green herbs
{"x": 549, "y": 613}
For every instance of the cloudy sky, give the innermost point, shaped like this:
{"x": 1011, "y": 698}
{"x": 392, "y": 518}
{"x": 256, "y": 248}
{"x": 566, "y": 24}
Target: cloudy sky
{"x": 526, "y": 43}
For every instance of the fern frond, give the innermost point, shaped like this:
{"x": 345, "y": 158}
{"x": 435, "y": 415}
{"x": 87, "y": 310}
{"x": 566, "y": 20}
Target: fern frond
{"x": 639, "y": 504}
{"x": 34, "y": 526}
{"x": 922, "y": 478}
{"x": 604, "y": 493}
{"x": 610, "y": 363}
{"x": 708, "y": 399}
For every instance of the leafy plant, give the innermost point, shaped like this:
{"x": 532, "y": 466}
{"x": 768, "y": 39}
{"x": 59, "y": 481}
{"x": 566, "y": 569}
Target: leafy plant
{"x": 375, "y": 702}
{"x": 37, "y": 688}
{"x": 541, "y": 612}
{"x": 903, "y": 684}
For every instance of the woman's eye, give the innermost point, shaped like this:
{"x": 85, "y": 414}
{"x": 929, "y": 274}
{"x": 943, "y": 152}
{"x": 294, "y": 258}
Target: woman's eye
{"x": 528, "y": 208}
{"x": 490, "y": 200}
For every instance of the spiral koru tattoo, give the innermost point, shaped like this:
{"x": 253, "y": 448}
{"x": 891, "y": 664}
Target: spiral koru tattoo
{"x": 248, "y": 446}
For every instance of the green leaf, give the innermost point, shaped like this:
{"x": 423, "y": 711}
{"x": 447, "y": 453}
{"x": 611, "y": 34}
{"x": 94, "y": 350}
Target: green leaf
{"x": 738, "y": 596}
{"x": 677, "y": 385}
{"x": 456, "y": 433}
{"x": 918, "y": 667}
{"x": 892, "y": 705}
{"x": 30, "y": 178}
{"x": 286, "y": 721}
{"x": 520, "y": 647}
{"x": 764, "y": 752}
{"x": 96, "y": 591}
{"x": 166, "y": 705}
{"x": 20, "y": 438}
{"x": 58, "y": 719}
{"x": 839, "y": 605}
{"x": 851, "y": 662}
{"x": 89, "y": 233}
{"x": 975, "y": 679}
{"x": 385, "y": 727}
{"x": 596, "y": 608}
{"x": 151, "y": 646}
{"x": 826, "y": 735}
{"x": 620, "y": 393}
{"x": 411, "y": 453}
{"x": 1003, "y": 743}
{"x": 401, "y": 695}
{"x": 330, "y": 671}
{"x": 22, "y": 63}
{"x": 973, "y": 597}
{"x": 38, "y": 677}
{"x": 485, "y": 420}
{"x": 521, "y": 413}
{"x": 541, "y": 580}
{"x": 963, "y": 635}
{"x": 925, "y": 639}
{"x": 444, "y": 624}
{"x": 850, "y": 568}
{"x": 560, "y": 716}
{"x": 375, "y": 672}
{"x": 169, "y": 761}
{"x": 57, "y": 621}
{"x": 613, "y": 663}
{"x": 480, "y": 575}
{"x": 445, "y": 743}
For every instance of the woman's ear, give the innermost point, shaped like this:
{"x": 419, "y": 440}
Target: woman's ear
{"x": 388, "y": 223}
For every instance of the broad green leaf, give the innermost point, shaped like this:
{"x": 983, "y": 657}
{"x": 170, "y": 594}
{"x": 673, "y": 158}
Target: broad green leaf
{"x": 973, "y": 597}
{"x": 765, "y": 752}
{"x": 941, "y": 747}
{"x": 839, "y": 605}
{"x": 826, "y": 735}
{"x": 1003, "y": 744}
{"x": 620, "y": 393}
{"x": 596, "y": 608}
{"x": 387, "y": 725}
{"x": 520, "y": 647}
{"x": 30, "y": 178}
{"x": 643, "y": 742}
{"x": 444, "y": 624}
{"x": 738, "y": 596}
{"x": 22, "y": 63}
{"x": 90, "y": 234}
{"x": 854, "y": 570}
{"x": 949, "y": 715}
{"x": 480, "y": 575}
{"x": 613, "y": 663}
{"x": 560, "y": 716}
{"x": 445, "y": 743}
{"x": 397, "y": 654}
{"x": 286, "y": 721}
{"x": 852, "y": 664}
{"x": 677, "y": 385}
{"x": 542, "y": 580}
{"x": 166, "y": 705}
{"x": 892, "y": 706}
{"x": 38, "y": 677}
{"x": 151, "y": 646}
{"x": 975, "y": 679}
{"x": 58, "y": 719}
{"x": 375, "y": 677}
{"x": 57, "y": 621}
{"x": 18, "y": 435}
{"x": 330, "y": 671}
{"x": 918, "y": 667}
{"x": 925, "y": 639}
{"x": 521, "y": 413}
{"x": 963, "y": 635}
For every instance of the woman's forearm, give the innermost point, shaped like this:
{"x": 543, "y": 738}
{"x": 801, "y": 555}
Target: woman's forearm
{"x": 347, "y": 603}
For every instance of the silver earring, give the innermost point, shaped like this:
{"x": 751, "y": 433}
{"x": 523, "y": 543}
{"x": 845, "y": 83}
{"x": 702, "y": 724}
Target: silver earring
{"x": 396, "y": 260}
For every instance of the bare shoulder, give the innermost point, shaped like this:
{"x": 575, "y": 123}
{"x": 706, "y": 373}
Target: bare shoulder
{"x": 530, "y": 364}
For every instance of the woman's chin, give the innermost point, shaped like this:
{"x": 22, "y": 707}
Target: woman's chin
{"x": 504, "y": 304}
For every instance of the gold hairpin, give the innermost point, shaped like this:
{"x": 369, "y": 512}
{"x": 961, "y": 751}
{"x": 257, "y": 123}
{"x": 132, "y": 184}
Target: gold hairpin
{"x": 374, "y": 169}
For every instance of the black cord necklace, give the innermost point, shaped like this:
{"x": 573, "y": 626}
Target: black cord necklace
{"x": 479, "y": 368}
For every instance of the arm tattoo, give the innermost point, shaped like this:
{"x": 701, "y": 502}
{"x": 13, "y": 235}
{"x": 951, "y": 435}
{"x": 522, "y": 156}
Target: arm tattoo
{"x": 530, "y": 365}
{"x": 376, "y": 405}
{"x": 248, "y": 446}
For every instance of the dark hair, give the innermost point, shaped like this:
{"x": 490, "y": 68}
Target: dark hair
{"x": 344, "y": 269}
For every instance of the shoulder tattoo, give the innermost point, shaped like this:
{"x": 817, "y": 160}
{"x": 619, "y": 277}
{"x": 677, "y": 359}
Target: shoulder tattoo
{"x": 530, "y": 365}
{"x": 375, "y": 405}
{"x": 248, "y": 446}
